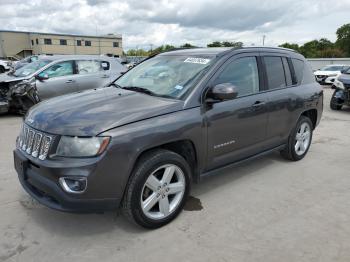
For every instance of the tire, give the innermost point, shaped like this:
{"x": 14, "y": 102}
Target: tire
{"x": 291, "y": 152}
{"x": 142, "y": 187}
{"x": 334, "y": 103}
{"x": 2, "y": 69}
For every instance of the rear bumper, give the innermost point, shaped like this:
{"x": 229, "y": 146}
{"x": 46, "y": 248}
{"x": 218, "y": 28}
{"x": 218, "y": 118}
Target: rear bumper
{"x": 49, "y": 193}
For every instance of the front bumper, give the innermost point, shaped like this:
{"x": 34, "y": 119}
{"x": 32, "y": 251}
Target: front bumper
{"x": 330, "y": 80}
{"x": 41, "y": 182}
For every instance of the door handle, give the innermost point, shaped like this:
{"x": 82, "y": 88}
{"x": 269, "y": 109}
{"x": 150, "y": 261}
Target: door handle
{"x": 70, "y": 81}
{"x": 258, "y": 103}
{"x": 105, "y": 76}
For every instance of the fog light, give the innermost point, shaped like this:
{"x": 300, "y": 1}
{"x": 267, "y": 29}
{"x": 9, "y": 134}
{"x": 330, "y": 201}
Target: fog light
{"x": 75, "y": 185}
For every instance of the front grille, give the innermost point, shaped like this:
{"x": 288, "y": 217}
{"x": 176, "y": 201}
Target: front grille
{"x": 34, "y": 143}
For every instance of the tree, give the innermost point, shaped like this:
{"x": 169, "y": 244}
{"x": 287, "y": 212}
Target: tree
{"x": 187, "y": 45}
{"x": 343, "y": 38}
{"x": 291, "y": 46}
{"x": 163, "y": 48}
{"x": 231, "y": 44}
{"x": 324, "y": 44}
{"x": 214, "y": 44}
{"x": 137, "y": 52}
{"x": 225, "y": 44}
{"x": 310, "y": 49}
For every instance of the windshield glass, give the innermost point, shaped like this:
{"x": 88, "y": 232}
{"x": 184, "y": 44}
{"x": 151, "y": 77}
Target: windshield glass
{"x": 332, "y": 68}
{"x": 30, "y": 68}
{"x": 346, "y": 70}
{"x": 170, "y": 76}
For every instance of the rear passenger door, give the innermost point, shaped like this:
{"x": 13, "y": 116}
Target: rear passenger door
{"x": 280, "y": 82}
{"x": 91, "y": 74}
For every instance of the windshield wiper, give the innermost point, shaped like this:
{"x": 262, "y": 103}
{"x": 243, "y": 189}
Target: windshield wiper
{"x": 141, "y": 90}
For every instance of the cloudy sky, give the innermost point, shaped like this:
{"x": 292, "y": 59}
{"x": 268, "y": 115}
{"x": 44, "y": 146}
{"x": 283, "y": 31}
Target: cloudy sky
{"x": 198, "y": 22}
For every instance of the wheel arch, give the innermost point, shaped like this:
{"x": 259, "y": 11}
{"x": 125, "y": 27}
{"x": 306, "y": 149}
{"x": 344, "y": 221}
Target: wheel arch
{"x": 312, "y": 115}
{"x": 185, "y": 148}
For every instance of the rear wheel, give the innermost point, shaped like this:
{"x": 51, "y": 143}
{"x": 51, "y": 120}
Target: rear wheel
{"x": 158, "y": 189}
{"x": 299, "y": 140}
{"x": 334, "y": 104}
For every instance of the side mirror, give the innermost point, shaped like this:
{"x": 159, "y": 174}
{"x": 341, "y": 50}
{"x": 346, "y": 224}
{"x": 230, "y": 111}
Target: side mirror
{"x": 222, "y": 92}
{"x": 42, "y": 76}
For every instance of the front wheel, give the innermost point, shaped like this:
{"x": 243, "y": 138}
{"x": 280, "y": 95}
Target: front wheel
{"x": 158, "y": 188}
{"x": 299, "y": 140}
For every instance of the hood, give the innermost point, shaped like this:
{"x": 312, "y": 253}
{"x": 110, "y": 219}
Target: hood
{"x": 6, "y": 78}
{"x": 344, "y": 78}
{"x": 94, "y": 111}
{"x": 326, "y": 73}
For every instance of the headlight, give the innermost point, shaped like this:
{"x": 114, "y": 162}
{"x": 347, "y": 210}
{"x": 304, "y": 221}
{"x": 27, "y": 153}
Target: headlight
{"x": 81, "y": 146}
{"x": 23, "y": 86}
{"x": 338, "y": 84}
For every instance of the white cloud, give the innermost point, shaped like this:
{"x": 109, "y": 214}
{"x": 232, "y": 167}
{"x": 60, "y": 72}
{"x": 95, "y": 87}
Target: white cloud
{"x": 143, "y": 23}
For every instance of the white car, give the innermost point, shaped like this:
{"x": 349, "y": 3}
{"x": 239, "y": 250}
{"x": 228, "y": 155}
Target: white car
{"x": 4, "y": 66}
{"x": 328, "y": 74}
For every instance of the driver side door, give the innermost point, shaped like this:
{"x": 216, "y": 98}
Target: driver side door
{"x": 236, "y": 128}
{"x": 61, "y": 80}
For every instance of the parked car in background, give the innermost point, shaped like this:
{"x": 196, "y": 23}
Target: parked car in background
{"x": 52, "y": 76}
{"x": 30, "y": 59}
{"x": 327, "y": 75}
{"x": 4, "y": 66}
{"x": 341, "y": 94}
{"x": 171, "y": 120}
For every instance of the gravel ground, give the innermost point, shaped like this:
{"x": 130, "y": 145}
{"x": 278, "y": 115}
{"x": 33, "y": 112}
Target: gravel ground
{"x": 265, "y": 210}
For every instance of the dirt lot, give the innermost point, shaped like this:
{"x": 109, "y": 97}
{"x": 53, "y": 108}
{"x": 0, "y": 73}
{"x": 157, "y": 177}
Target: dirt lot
{"x": 266, "y": 210}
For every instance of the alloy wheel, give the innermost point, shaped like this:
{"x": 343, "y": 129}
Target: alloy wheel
{"x": 302, "y": 139}
{"x": 163, "y": 191}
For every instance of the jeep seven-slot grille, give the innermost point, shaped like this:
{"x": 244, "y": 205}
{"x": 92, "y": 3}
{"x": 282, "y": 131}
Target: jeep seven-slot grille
{"x": 33, "y": 142}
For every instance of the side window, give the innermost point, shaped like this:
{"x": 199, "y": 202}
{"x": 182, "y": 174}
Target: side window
{"x": 88, "y": 67}
{"x": 275, "y": 72}
{"x": 243, "y": 73}
{"x": 287, "y": 71}
{"x": 298, "y": 69}
{"x": 60, "y": 69}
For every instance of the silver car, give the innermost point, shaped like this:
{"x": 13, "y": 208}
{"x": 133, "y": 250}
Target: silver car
{"x": 52, "y": 76}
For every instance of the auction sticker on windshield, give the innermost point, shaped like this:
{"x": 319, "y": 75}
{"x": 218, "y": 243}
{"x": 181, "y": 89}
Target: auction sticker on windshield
{"x": 197, "y": 60}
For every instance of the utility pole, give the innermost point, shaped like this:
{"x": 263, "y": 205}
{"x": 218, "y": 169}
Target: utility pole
{"x": 264, "y": 36}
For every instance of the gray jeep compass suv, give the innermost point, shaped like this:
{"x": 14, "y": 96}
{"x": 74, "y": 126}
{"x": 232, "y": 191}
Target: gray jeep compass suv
{"x": 176, "y": 117}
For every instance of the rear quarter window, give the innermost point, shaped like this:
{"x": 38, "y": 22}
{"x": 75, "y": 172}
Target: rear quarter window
{"x": 298, "y": 70}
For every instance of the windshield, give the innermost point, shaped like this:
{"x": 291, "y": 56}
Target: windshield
{"x": 30, "y": 68}
{"x": 332, "y": 68}
{"x": 168, "y": 76}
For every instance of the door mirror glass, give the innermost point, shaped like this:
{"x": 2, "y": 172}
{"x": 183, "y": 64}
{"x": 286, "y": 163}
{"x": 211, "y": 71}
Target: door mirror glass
{"x": 222, "y": 92}
{"x": 42, "y": 76}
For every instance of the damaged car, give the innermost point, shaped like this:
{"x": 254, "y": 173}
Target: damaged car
{"x": 52, "y": 76}
{"x": 341, "y": 94}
